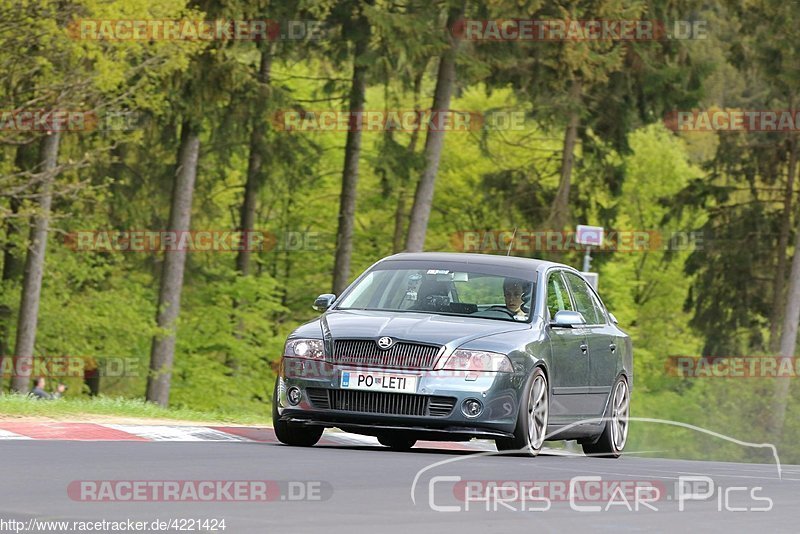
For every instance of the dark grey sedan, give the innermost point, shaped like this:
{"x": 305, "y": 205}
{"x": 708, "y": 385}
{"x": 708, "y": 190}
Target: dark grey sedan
{"x": 452, "y": 347}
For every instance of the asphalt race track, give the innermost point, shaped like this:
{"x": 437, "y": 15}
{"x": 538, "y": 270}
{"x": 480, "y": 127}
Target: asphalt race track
{"x": 363, "y": 488}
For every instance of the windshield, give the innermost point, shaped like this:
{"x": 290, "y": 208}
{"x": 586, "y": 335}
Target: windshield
{"x": 448, "y": 289}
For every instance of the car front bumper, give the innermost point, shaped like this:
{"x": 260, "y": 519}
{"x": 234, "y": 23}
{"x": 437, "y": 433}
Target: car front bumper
{"x": 425, "y": 413}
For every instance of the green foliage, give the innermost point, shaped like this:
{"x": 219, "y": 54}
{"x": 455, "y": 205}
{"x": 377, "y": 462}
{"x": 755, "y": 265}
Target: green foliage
{"x": 631, "y": 174}
{"x": 206, "y": 340}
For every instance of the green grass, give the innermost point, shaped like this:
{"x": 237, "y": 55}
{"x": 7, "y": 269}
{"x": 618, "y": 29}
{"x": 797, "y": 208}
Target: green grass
{"x": 64, "y": 408}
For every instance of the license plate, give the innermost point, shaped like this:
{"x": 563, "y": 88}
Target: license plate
{"x": 378, "y": 381}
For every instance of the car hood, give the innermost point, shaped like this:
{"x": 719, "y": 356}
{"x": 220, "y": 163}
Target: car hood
{"x": 411, "y": 326}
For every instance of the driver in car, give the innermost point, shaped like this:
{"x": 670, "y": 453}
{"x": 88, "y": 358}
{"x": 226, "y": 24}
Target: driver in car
{"x": 515, "y": 291}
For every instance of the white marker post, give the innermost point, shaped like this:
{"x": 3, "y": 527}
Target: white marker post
{"x": 591, "y": 236}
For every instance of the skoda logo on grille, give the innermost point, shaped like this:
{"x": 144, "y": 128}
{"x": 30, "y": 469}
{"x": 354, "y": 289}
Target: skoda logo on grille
{"x": 385, "y": 342}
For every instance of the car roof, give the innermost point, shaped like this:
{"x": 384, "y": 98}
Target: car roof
{"x": 479, "y": 259}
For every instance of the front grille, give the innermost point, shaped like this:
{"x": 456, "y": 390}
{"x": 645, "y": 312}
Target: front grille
{"x": 400, "y": 355}
{"x": 374, "y": 402}
{"x": 441, "y": 406}
{"x": 380, "y": 403}
{"x": 319, "y": 398}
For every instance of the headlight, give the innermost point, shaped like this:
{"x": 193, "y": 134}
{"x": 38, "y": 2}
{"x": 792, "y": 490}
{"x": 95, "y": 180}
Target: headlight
{"x": 313, "y": 349}
{"x": 478, "y": 360}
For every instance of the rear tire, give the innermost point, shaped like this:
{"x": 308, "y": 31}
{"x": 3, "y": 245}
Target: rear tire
{"x": 397, "y": 442}
{"x": 297, "y": 436}
{"x": 532, "y": 420}
{"x": 615, "y": 434}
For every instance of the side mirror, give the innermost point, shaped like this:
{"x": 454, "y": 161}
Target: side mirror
{"x": 568, "y": 319}
{"x": 613, "y": 318}
{"x": 324, "y": 302}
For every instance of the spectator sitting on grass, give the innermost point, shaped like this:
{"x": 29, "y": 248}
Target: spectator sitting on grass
{"x": 39, "y": 393}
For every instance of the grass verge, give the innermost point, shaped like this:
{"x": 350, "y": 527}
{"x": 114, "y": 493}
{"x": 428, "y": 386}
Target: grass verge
{"x": 20, "y": 405}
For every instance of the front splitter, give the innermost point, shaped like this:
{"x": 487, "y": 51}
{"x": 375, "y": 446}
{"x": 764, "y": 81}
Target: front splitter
{"x": 432, "y": 434}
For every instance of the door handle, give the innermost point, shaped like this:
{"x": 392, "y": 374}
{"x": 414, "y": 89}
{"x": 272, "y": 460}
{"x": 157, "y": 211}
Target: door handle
{"x": 584, "y": 347}
{"x": 613, "y": 347}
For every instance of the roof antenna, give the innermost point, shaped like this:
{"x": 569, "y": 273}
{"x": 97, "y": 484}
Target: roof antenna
{"x": 511, "y": 244}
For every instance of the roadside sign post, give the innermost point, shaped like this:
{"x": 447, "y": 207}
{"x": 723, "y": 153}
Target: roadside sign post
{"x": 591, "y": 236}
{"x": 587, "y": 259}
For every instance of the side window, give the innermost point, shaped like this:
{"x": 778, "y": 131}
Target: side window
{"x": 598, "y": 308}
{"x": 557, "y": 295}
{"x": 583, "y": 299}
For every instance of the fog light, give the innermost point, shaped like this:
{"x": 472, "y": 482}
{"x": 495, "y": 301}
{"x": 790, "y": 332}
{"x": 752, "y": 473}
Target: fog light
{"x": 471, "y": 407}
{"x": 294, "y": 396}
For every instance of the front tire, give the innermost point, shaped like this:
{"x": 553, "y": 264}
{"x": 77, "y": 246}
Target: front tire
{"x": 297, "y": 436}
{"x": 534, "y": 412}
{"x": 615, "y": 434}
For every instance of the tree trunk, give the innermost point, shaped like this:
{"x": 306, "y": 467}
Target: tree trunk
{"x": 399, "y": 217}
{"x": 162, "y": 352}
{"x": 783, "y": 242}
{"x": 254, "y": 164}
{"x": 788, "y": 343}
{"x": 352, "y": 153}
{"x": 400, "y": 209}
{"x": 34, "y": 268}
{"x": 559, "y": 213}
{"x": 5, "y": 319}
{"x": 434, "y": 141}
{"x": 287, "y": 260}
{"x": 11, "y": 263}
{"x": 247, "y": 213}
{"x": 25, "y": 160}
{"x": 12, "y": 266}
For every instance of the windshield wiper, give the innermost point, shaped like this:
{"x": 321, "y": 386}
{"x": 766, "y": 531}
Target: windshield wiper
{"x": 436, "y": 312}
